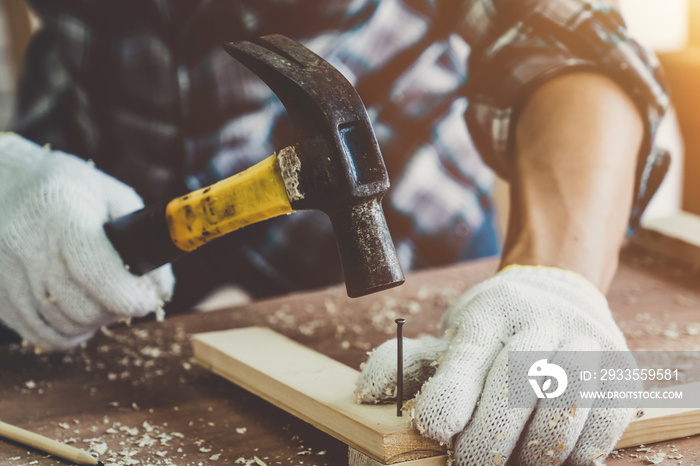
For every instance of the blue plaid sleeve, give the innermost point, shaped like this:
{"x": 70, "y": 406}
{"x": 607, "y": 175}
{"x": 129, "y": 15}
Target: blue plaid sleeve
{"x": 54, "y": 102}
{"x": 143, "y": 88}
{"x": 519, "y": 44}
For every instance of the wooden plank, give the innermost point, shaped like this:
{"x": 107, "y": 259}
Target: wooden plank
{"x": 318, "y": 390}
{"x": 314, "y": 388}
{"x": 357, "y": 458}
{"x": 677, "y": 237}
{"x": 659, "y": 424}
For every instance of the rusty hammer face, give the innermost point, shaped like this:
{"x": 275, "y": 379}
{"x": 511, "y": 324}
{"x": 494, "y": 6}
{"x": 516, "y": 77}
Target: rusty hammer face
{"x": 335, "y": 165}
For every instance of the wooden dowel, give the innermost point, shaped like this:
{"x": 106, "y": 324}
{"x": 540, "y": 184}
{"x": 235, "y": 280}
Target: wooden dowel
{"x": 48, "y": 445}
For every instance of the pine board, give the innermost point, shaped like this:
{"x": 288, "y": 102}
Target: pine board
{"x": 677, "y": 237}
{"x": 312, "y": 387}
{"x": 318, "y": 390}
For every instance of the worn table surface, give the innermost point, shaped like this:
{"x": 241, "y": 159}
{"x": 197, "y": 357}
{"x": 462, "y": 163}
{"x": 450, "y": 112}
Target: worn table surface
{"x": 133, "y": 395}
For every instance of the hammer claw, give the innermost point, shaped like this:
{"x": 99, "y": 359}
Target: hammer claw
{"x": 342, "y": 171}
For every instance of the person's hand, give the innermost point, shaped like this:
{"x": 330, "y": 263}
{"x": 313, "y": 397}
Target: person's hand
{"x": 60, "y": 277}
{"x": 467, "y": 399}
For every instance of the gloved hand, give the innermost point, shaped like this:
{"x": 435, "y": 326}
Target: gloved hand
{"x": 519, "y": 309}
{"x": 60, "y": 277}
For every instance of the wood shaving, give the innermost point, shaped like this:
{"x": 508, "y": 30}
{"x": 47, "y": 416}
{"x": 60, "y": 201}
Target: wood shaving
{"x": 657, "y": 458}
{"x": 250, "y": 462}
{"x": 693, "y": 329}
{"x": 309, "y": 328}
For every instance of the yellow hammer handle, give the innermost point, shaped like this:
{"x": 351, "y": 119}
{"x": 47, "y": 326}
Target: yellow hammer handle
{"x": 253, "y": 195}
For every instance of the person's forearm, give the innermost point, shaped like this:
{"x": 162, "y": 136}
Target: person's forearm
{"x": 576, "y": 149}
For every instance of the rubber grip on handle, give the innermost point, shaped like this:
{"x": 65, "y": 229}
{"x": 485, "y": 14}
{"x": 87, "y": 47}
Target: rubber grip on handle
{"x": 142, "y": 239}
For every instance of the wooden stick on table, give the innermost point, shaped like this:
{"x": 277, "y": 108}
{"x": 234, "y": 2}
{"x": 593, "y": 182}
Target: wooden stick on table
{"x": 46, "y": 444}
{"x": 318, "y": 390}
{"x": 314, "y": 388}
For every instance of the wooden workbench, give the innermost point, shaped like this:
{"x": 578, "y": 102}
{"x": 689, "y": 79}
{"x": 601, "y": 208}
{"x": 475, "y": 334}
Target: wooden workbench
{"x": 133, "y": 394}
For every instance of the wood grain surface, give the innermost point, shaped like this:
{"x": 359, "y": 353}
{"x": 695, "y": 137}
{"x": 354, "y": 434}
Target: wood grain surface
{"x": 133, "y": 393}
{"x": 312, "y": 387}
{"x": 319, "y": 390}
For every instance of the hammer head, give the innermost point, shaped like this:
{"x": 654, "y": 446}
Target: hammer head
{"x": 335, "y": 165}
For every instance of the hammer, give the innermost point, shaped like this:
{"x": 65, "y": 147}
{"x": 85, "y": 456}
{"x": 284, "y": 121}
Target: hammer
{"x": 335, "y": 166}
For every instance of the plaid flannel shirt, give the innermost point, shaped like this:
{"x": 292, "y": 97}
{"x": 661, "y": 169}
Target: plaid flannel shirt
{"x": 144, "y": 89}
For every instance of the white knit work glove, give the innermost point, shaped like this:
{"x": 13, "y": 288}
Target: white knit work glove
{"x": 60, "y": 277}
{"x": 519, "y": 309}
